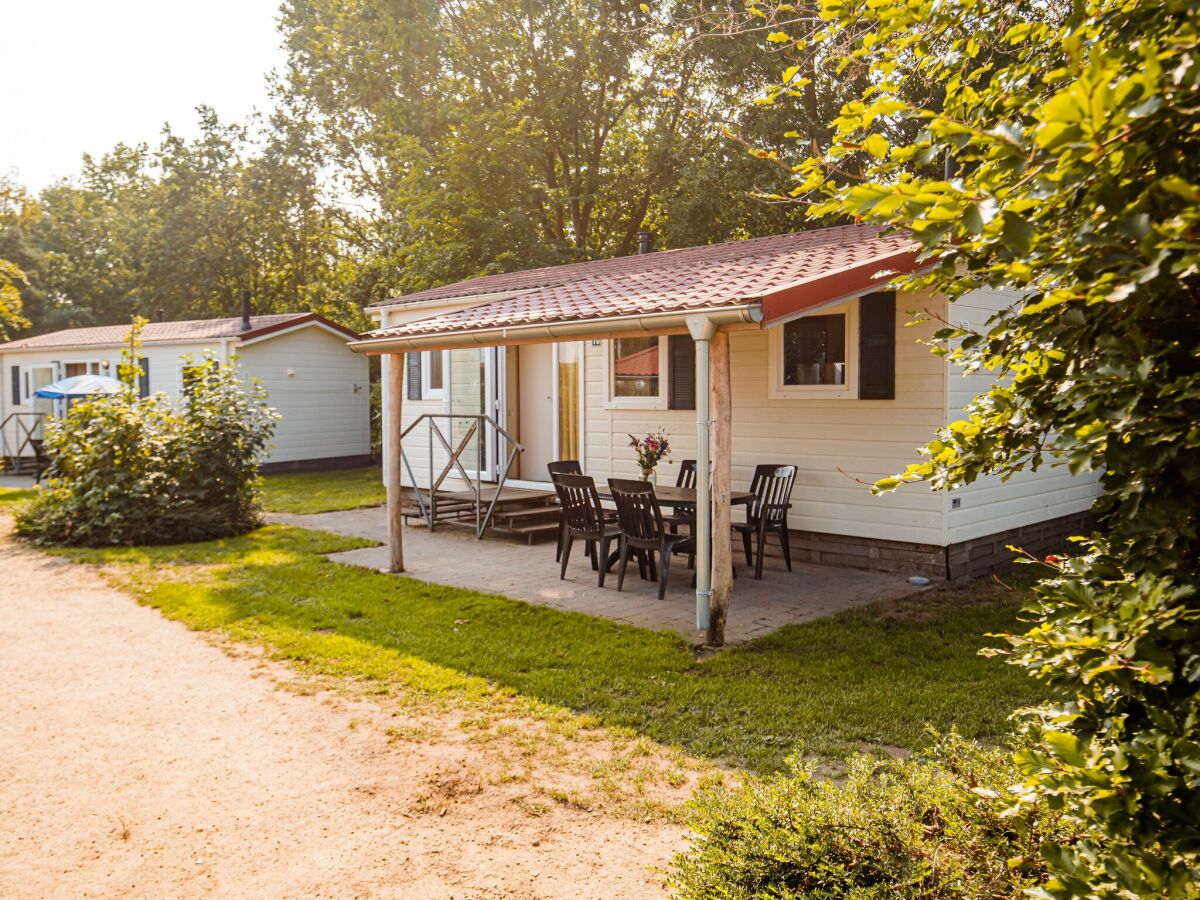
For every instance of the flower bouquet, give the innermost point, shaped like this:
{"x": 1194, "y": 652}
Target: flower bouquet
{"x": 651, "y": 449}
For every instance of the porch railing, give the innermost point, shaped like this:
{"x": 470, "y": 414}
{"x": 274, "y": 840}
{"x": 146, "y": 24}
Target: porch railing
{"x": 477, "y": 431}
{"x": 26, "y": 428}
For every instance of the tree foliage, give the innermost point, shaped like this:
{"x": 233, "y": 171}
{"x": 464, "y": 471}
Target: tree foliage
{"x": 1073, "y": 139}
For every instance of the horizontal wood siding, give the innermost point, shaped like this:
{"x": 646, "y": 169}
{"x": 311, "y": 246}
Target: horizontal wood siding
{"x": 325, "y": 406}
{"x": 864, "y": 439}
{"x": 990, "y": 506}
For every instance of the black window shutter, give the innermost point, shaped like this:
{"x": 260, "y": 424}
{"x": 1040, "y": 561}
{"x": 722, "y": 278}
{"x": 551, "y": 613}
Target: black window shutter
{"x": 681, "y": 354}
{"x": 144, "y": 378}
{"x": 877, "y": 346}
{"x": 16, "y": 385}
{"x": 413, "y": 363}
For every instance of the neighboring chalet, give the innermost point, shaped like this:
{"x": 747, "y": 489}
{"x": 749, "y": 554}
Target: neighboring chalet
{"x": 319, "y": 387}
{"x": 812, "y": 364}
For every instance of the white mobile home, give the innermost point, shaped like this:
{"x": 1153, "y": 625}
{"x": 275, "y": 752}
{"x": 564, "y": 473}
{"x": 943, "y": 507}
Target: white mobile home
{"x": 318, "y": 386}
{"x": 824, "y": 373}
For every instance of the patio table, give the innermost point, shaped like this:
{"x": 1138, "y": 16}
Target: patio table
{"x": 669, "y": 495}
{"x": 675, "y": 497}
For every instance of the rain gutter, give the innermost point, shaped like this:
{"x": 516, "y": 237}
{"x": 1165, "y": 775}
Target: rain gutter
{"x": 542, "y": 332}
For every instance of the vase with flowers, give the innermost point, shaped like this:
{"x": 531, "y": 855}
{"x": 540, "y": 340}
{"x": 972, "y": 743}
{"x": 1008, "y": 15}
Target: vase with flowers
{"x": 651, "y": 450}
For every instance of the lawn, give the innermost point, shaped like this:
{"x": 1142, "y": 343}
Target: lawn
{"x": 871, "y": 677}
{"x": 314, "y": 492}
{"x": 11, "y": 496}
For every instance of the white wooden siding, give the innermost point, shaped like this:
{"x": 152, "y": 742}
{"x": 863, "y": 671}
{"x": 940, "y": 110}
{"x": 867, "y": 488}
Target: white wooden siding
{"x": 832, "y": 442}
{"x": 324, "y": 406}
{"x": 990, "y": 505}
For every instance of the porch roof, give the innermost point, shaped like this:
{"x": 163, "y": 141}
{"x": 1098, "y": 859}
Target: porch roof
{"x": 769, "y": 278}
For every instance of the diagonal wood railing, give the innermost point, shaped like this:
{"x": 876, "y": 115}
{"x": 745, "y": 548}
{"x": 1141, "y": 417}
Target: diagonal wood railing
{"x": 27, "y": 428}
{"x": 480, "y": 427}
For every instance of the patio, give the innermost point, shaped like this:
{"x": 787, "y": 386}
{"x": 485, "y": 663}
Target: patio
{"x": 530, "y": 574}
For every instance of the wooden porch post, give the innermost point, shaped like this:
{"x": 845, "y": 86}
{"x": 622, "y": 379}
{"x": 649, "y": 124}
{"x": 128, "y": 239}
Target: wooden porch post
{"x": 391, "y": 445}
{"x": 720, "y": 408}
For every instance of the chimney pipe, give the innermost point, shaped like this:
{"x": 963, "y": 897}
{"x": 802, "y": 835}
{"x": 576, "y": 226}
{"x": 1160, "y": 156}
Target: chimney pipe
{"x": 645, "y": 242}
{"x": 161, "y": 315}
{"x": 245, "y": 309}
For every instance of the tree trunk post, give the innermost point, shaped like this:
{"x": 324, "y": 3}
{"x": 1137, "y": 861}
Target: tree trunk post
{"x": 721, "y": 410}
{"x": 394, "y": 394}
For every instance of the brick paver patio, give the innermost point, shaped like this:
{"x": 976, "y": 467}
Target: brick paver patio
{"x": 529, "y": 573}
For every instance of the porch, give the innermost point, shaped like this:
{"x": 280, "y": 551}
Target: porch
{"x": 529, "y": 573}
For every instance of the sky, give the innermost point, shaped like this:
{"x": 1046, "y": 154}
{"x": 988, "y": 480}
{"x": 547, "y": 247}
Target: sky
{"x": 82, "y": 75}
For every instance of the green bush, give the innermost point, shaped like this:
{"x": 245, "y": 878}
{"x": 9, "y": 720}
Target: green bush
{"x": 130, "y": 470}
{"x": 939, "y": 826}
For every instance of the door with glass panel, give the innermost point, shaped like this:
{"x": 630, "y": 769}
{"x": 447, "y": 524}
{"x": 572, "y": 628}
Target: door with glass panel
{"x": 474, "y": 392}
{"x": 548, "y": 387}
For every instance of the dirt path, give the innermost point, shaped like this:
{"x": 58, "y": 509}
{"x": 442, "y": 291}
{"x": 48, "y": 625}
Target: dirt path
{"x": 137, "y": 758}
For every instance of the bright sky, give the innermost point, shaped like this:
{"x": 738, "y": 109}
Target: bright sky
{"x": 82, "y": 75}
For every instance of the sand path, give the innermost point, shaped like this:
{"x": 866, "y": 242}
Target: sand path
{"x": 138, "y": 758}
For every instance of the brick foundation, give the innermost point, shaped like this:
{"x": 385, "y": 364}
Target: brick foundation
{"x": 984, "y": 555}
{"x": 326, "y": 464}
{"x": 964, "y": 560}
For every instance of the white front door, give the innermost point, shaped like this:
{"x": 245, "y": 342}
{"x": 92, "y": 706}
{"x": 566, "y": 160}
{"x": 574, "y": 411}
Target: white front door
{"x": 535, "y": 375}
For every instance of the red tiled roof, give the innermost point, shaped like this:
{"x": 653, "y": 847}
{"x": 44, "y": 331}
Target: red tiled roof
{"x": 155, "y": 332}
{"x": 786, "y": 273}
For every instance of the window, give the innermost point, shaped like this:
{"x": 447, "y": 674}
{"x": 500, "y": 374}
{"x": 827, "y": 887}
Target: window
{"x": 637, "y": 371}
{"x": 95, "y": 367}
{"x": 816, "y": 356}
{"x": 814, "y": 351}
{"x": 433, "y": 375}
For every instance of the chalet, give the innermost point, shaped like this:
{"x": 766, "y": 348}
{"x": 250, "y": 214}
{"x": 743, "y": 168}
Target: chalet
{"x": 795, "y": 349}
{"x": 318, "y": 386}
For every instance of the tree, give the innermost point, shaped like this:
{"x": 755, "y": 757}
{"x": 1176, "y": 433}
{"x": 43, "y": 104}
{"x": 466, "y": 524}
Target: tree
{"x": 11, "y": 279}
{"x": 1073, "y": 133}
{"x": 467, "y": 137}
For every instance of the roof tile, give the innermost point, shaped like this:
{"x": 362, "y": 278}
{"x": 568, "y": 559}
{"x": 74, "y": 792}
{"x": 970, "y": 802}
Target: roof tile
{"x": 667, "y": 281}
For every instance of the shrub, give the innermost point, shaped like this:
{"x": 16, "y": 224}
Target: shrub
{"x": 130, "y": 470}
{"x": 917, "y": 828}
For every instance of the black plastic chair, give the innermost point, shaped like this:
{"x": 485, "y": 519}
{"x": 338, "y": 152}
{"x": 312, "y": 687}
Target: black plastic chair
{"x": 643, "y": 529}
{"x": 585, "y": 520}
{"x": 562, "y": 467}
{"x": 684, "y": 514}
{"x": 772, "y": 489}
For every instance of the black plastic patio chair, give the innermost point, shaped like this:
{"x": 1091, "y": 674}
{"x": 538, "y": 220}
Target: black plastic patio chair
{"x": 562, "y": 467}
{"x": 586, "y": 521}
{"x": 772, "y": 489}
{"x": 643, "y": 529}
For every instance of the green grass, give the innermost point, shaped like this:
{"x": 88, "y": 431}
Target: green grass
{"x": 314, "y": 492}
{"x": 11, "y": 496}
{"x": 871, "y": 677}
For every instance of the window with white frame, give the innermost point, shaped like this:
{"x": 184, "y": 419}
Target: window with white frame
{"x": 816, "y": 356}
{"x": 637, "y": 372}
{"x": 433, "y": 374}
{"x": 94, "y": 367}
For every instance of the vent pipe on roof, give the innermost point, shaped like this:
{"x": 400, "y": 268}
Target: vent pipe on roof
{"x": 245, "y": 309}
{"x": 161, "y": 315}
{"x": 645, "y": 242}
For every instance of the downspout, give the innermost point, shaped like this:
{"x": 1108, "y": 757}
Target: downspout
{"x": 702, "y": 329}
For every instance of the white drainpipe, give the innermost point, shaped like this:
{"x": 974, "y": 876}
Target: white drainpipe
{"x": 702, "y": 329}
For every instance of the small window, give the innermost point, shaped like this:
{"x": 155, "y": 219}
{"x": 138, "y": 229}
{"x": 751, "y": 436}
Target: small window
{"x": 816, "y": 356}
{"x": 814, "y": 351}
{"x": 636, "y": 367}
{"x": 433, "y": 375}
